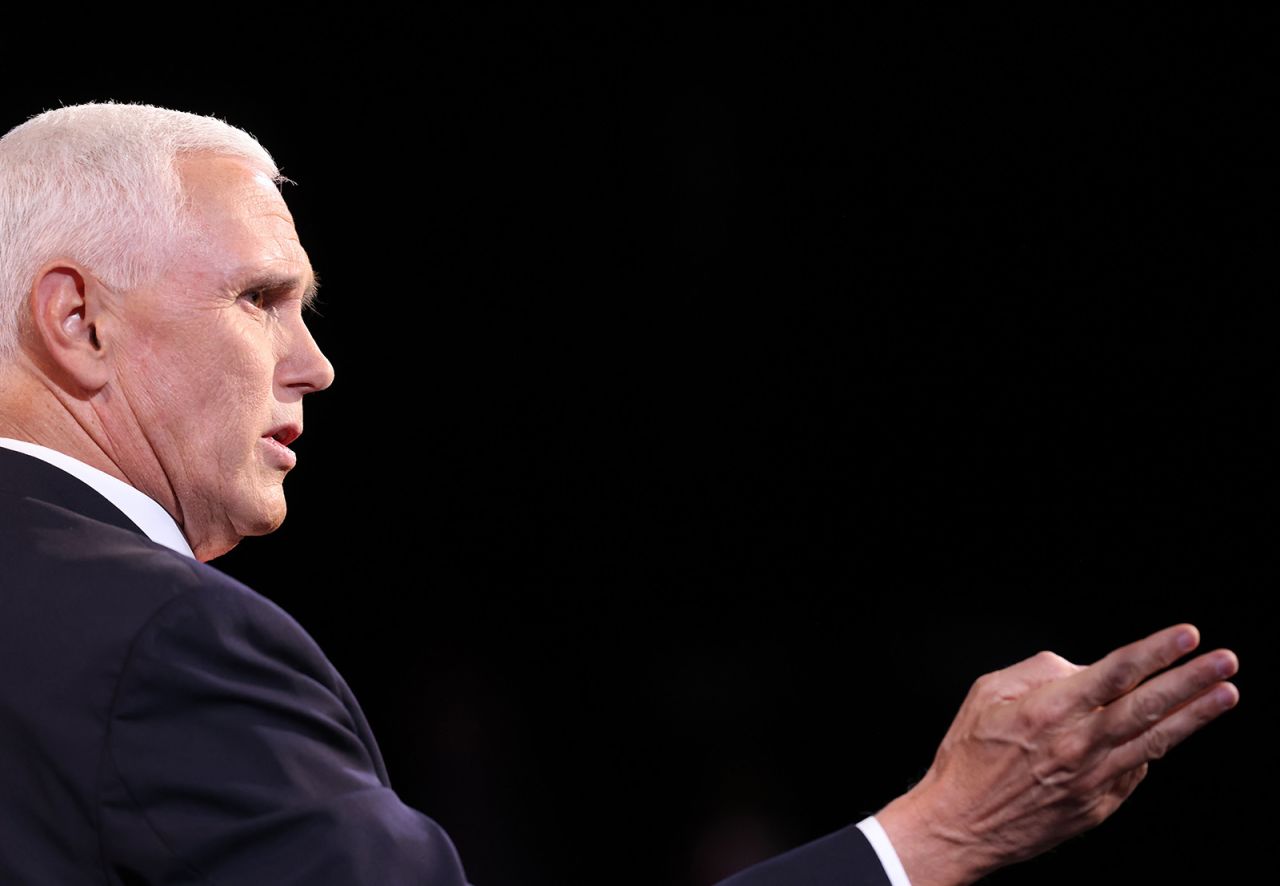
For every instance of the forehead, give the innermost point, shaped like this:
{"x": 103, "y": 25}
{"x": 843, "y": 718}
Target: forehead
{"x": 241, "y": 220}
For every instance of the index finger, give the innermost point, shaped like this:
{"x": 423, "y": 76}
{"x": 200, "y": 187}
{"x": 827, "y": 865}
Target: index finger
{"x": 1120, "y": 671}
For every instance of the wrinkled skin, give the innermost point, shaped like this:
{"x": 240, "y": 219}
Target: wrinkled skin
{"x": 211, "y": 358}
{"x": 1046, "y": 749}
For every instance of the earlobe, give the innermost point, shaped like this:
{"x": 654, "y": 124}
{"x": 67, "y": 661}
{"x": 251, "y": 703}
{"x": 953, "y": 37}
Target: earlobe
{"x": 66, "y": 307}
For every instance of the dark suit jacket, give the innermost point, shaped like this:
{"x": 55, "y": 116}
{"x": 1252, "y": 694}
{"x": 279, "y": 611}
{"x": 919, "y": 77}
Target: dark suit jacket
{"x": 163, "y": 723}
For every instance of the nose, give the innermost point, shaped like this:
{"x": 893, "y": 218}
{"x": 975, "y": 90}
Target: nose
{"x": 304, "y": 368}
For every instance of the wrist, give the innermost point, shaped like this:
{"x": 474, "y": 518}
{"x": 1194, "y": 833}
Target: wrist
{"x": 932, "y": 853}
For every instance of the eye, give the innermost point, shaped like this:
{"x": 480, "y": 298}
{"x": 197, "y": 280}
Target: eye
{"x": 255, "y": 297}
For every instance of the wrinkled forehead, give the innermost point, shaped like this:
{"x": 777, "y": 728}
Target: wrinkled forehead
{"x": 229, "y": 191}
{"x": 239, "y": 214}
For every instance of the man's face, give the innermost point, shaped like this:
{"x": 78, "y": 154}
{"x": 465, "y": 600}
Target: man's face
{"x": 213, "y": 360}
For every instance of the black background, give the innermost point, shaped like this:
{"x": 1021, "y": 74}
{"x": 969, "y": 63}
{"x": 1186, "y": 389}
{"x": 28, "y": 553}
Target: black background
{"x": 719, "y": 394}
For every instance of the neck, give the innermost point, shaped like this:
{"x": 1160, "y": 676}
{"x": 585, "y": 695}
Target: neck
{"x": 31, "y": 411}
{"x": 34, "y": 408}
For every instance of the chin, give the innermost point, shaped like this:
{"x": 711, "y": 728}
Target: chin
{"x": 263, "y": 524}
{"x": 259, "y": 517}
{"x": 263, "y": 518}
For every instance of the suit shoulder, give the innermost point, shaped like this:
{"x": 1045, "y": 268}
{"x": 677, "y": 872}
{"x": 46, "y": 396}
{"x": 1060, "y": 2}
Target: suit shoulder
{"x": 57, "y": 549}
{"x": 219, "y": 611}
{"x": 120, "y": 582}
{"x": 61, "y": 551}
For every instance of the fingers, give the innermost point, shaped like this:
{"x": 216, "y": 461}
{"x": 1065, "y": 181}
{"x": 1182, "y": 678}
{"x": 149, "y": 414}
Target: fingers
{"x": 1159, "y": 697}
{"x": 1122, "y": 670}
{"x": 1157, "y": 741}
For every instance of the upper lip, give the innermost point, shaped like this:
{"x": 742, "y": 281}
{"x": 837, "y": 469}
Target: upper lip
{"x": 285, "y": 434}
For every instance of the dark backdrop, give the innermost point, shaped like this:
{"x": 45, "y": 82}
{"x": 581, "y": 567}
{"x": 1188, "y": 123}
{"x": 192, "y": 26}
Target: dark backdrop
{"x": 719, "y": 395}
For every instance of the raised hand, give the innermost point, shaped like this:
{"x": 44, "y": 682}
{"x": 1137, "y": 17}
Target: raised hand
{"x": 1045, "y": 749}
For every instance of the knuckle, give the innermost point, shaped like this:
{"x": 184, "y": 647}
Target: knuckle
{"x": 986, "y": 685}
{"x": 1097, "y": 814}
{"x": 981, "y": 686}
{"x": 1149, "y": 708}
{"x": 1124, "y": 675}
{"x": 1158, "y": 743}
{"x": 1139, "y": 775}
{"x": 1054, "y": 661}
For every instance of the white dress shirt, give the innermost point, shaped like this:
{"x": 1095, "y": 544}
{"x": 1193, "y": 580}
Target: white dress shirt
{"x": 144, "y": 511}
{"x": 889, "y": 860}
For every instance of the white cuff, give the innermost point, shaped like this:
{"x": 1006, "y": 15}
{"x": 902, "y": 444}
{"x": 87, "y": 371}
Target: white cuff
{"x": 889, "y": 860}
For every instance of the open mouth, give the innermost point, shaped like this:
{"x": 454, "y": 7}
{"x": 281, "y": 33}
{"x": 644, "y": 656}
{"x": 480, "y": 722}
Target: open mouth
{"x": 284, "y": 436}
{"x": 278, "y": 442}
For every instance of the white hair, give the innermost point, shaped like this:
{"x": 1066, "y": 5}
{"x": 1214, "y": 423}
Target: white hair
{"x": 98, "y": 184}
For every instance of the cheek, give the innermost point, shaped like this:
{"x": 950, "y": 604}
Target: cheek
{"x": 216, "y": 391}
{"x": 239, "y": 394}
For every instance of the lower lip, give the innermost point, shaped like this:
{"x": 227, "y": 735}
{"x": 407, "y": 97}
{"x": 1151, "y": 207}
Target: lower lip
{"x": 282, "y": 454}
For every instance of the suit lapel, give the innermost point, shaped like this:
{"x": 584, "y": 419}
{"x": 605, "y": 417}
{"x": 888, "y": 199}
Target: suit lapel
{"x": 25, "y": 476}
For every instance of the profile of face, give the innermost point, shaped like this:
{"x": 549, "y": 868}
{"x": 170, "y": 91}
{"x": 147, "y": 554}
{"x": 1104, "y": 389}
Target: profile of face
{"x": 214, "y": 357}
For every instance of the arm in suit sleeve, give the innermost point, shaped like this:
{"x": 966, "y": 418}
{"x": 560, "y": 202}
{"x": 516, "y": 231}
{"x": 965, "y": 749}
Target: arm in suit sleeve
{"x": 237, "y": 755}
{"x": 844, "y": 858}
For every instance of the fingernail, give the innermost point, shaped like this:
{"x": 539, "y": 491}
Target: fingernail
{"x": 1186, "y": 640}
{"x": 1226, "y": 667}
{"x": 1225, "y": 698}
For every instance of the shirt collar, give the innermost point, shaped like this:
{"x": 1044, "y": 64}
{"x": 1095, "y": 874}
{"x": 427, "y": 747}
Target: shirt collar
{"x": 144, "y": 511}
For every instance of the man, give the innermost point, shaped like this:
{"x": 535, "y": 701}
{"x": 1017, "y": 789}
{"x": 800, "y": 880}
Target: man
{"x": 165, "y": 724}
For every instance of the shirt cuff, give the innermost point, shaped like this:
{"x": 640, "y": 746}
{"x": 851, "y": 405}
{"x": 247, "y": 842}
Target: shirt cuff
{"x": 889, "y": 860}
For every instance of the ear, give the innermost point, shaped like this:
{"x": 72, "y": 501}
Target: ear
{"x": 67, "y": 306}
